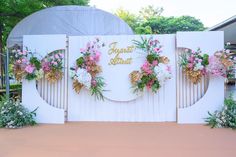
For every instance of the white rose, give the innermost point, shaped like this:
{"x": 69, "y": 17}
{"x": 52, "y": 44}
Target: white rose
{"x": 162, "y": 73}
{"x": 84, "y": 77}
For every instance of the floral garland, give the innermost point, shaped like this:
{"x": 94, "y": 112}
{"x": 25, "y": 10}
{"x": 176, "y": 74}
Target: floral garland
{"x": 52, "y": 66}
{"x": 220, "y": 62}
{"x": 27, "y": 66}
{"x": 86, "y": 69}
{"x": 155, "y": 70}
{"x": 194, "y": 64}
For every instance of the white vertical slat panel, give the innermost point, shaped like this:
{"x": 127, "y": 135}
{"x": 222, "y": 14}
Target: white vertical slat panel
{"x": 54, "y": 93}
{"x": 189, "y": 93}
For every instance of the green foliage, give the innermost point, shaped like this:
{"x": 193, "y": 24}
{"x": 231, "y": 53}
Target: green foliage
{"x": 168, "y": 25}
{"x": 150, "y": 21}
{"x": 143, "y": 30}
{"x": 226, "y": 117}
{"x": 14, "y": 86}
{"x": 30, "y": 76}
{"x": 14, "y": 115}
{"x": 131, "y": 19}
{"x": 205, "y": 60}
{"x": 35, "y": 61}
{"x": 80, "y": 61}
{"x": 98, "y": 88}
{"x": 152, "y": 57}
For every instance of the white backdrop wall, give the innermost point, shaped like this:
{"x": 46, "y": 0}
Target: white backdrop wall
{"x": 120, "y": 103}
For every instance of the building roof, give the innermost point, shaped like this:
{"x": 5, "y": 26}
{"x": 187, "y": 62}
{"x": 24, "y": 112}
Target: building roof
{"x": 229, "y": 28}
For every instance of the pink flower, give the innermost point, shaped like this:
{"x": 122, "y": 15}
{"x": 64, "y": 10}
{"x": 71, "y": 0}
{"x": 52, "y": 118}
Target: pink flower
{"x": 97, "y": 56}
{"x": 46, "y": 67}
{"x": 24, "y": 60}
{"x": 55, "y": 63}
{"x": 149, "y": 84}
{"x": 190, "y": 65}
{"x": 88, "y": 68}
{"x": 90, "y": 58}
{"x": 57, "y": 56}
{"x": 24, "y": 52}
{"x": 29, "y": 69}
{"x": 168, "y": 68}
{"x": 82, "y": 50}
{"x": 146, "y": 67}
{"x": 62, "y": 55}
{"x": 155, "y": 62}
{"x": 88, "y": 45}
{"x": 94, "y": 83}
{"x": 156, "y": 49}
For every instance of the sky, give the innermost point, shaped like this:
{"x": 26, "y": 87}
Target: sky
{"x": 210, "y": 12}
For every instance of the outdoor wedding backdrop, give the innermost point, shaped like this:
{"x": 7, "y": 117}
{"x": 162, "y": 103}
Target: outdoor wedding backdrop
{"x": 82, "y": 69}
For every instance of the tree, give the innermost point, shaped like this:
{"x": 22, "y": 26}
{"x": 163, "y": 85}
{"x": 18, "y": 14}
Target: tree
{"x": 167, "y": 25}
{"x": 12, "y": 11}
{"x": 150, "y": 12}
{"x": 131, "y": 19}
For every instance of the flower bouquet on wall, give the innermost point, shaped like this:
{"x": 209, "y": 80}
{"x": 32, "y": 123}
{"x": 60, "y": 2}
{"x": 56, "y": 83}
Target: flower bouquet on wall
{"x": 155, "y": 70}
{"x": 220, "y": 62}
{"x": 86, "y": 70}
{"x": 27, "y": 66}
{"x": 194, "y": 64}
{"x": 52, "y": 66}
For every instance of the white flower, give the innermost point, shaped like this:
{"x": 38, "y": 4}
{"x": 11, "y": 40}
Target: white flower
{"x": 39, "y": 74}
{"x": 162, "y": 72}
{"x": 198, "y": 66}
{"x": 84, "y": 77}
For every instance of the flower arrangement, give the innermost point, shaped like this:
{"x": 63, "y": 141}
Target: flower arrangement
{"x": 226, "y": 117}
{"x": 155, "y": 70}
{"x": 52, "y": 66}
{"x": 194, "y": 64}
{"x": 219, "y": 63}
{"x": 27, "y": 66}
{"x": 86, "y": 69}
{"x": 14, "y": 115}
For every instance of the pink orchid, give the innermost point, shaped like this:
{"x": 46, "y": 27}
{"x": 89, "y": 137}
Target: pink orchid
{"x": 97, "y": 56}
{"x": 156, "y": 49}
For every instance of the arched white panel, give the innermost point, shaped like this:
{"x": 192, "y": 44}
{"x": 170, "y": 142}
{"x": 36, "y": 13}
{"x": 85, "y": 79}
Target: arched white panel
{"x": 50, "y": 93}
{"x": 209, "y": 42}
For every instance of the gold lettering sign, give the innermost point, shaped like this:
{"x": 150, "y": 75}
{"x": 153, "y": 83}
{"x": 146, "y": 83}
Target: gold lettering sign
{"x": 117, "y": 52}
